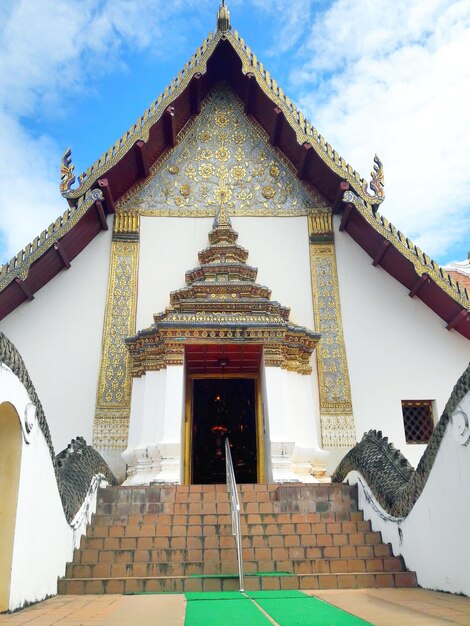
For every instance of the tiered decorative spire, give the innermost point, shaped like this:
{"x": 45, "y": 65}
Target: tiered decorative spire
{"x": 222, "y": 303}
{"x": 224, "y": 283}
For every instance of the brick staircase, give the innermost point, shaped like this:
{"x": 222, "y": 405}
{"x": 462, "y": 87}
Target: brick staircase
{"x": 178, "y": 538}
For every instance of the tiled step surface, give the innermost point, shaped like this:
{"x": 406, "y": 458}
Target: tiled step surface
{"x": 183, "y": 584}
{"x": 152, "y": 569}
{"x": 178, "y": 538}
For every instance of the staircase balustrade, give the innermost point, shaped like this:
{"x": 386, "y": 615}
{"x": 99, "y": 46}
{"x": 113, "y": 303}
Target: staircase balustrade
{"x": 234, "y": 509}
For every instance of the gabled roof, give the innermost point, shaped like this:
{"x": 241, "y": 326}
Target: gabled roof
{"x": 225, "y": 56}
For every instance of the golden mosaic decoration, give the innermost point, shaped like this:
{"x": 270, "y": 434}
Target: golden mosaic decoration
{"x": 222, "y": 157}
{"x": 113, "y": 399}
{"x": 336, "y": 417}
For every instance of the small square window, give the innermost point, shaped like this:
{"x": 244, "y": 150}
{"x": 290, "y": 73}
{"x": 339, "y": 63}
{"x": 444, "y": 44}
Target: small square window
{"x": 418, "y": 420}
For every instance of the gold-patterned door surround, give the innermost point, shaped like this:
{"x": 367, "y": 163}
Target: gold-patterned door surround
{"x": 336, "y": 416}
{"x": 113, "y": 400}
{"x": 221, "y": 159}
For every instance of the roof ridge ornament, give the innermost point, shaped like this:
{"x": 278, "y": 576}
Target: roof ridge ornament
{"x": 377, "y": 182}
{"x": 67, "y": 177}
{"x": 223, "y": 18}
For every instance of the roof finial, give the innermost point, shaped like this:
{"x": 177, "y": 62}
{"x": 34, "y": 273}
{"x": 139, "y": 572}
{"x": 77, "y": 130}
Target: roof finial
{"x": 223, "y": 18}
{"x": 67, "y": 177}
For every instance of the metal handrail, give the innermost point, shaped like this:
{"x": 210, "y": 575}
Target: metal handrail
{"x": 234, "y": 508}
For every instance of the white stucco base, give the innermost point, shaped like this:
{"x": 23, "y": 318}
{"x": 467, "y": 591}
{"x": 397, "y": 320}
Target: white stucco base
{"x": 290, "y": 407}
{"x": 154, "y": 452}
{"x": 433, "y": 538}
{"x": 291, "y": 411}
{"x": 43, "y": 541}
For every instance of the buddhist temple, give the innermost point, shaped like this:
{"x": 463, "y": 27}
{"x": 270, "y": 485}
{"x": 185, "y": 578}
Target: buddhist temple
{"x": 221, "y": 271}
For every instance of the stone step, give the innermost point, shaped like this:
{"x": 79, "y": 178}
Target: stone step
{"x": 218, "y": 540}
{"x": 306, "y": 532}
{"x": 327, "y": 509}
{"x": 223, "y": 524}
{"x": 149, "y": 569}
{"x": 179, "y": 538}
{"x": 286, "y": 490}
{"x": 246, "y": 519}
{"x": 180, "y": 584}
{"x": 148, "y": 550}
{"x": 212, "y": 493}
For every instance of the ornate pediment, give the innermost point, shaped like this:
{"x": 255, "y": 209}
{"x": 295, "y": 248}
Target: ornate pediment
{"x": 223, "y": 157}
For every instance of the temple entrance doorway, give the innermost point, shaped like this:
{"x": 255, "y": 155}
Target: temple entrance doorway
{"x": 223, "y": 400}
{"x": 224, "y": 407}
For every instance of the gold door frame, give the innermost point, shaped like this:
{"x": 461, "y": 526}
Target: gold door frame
{"x": 188, "y": 421}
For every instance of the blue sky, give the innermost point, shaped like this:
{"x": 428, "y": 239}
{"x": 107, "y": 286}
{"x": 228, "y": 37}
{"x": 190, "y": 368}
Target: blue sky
{"x": 390, "y": 77}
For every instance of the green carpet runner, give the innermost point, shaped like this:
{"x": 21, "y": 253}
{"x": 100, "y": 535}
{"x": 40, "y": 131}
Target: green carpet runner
{"x": 286, "y": 608}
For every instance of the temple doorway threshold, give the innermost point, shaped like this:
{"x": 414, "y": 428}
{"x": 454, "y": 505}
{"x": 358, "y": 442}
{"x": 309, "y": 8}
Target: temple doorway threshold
{"x": 222, "y": 404}
{"x": 223, "y": 407}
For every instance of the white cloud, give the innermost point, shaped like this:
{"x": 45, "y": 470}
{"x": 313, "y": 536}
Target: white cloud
{"x": 291, "y": 20}
{"x": 29, "y": 198}
{"x": 46, "y": 45}
{"x": 391, "y": 77}
{"x": 394, "y": 77}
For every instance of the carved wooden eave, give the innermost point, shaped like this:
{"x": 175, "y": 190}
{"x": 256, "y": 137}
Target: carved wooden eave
{"x": 222, "y": 304}
{"x": 226, "y": 57}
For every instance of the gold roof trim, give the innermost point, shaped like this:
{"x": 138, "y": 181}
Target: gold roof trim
{"x": 422, "y": 263}
{"x": 18, "y": 266}
{"x": 304, "y": 130}
{"x": 223, "y": 18}
{"x": 141, "y": 128}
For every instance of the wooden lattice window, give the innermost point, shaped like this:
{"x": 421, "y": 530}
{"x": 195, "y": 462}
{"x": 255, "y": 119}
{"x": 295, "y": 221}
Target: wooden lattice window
{"x": 418, "y": 420}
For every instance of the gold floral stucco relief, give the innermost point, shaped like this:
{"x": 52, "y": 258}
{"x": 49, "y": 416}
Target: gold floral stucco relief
{"x": 336, "y": 415}
{"x": 113, "y": 400}
{"x": 222, "y": 155}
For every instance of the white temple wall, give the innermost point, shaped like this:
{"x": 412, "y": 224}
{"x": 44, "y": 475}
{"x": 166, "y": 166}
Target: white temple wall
{"x": 168, "y": 248}
{"x": 278, "y": 247}
{"x": 59, "y": 336}
{"x": 436, "y": 530}
{"x": 43, "y": 539}
{"x": 397, "y": 348}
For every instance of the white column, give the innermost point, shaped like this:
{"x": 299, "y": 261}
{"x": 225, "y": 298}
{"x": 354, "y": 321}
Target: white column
{"x": 281, "y": 443}
{"x": 142, "y": 455}
{"x": 293, "y": 417}
{"x": 170, "y": 446}
{"x": 307, "y": 459}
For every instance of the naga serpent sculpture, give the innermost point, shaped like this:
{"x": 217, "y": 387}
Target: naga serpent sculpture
{"x": 75, "y": 466}
{"x": 392, "y": 480}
